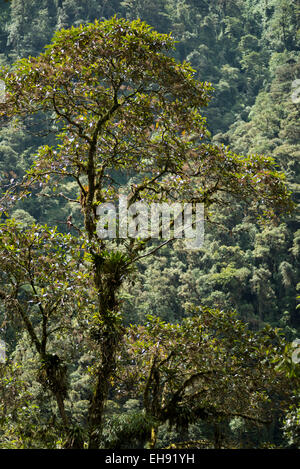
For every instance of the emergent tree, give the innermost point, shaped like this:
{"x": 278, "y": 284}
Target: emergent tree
{"x": 121, "y": 106}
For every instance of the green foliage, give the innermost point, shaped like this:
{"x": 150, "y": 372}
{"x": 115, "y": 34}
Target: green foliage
{"x": 23, "y": 424}
{"x": 291, "y": 428}
{"x": 130, "y": 429}
{"x": 208, "y": 368}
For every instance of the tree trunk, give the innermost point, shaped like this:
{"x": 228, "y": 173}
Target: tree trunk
{"x": 61, "y": 408}
{"x": 108, "y": 336}
{"x": 105, "y": 371}
{"x": 153, "y": 438}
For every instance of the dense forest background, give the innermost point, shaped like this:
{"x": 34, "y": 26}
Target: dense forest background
{"x": 249, "y": 51}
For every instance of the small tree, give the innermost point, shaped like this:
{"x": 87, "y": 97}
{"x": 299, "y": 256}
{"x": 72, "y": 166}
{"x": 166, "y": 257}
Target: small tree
{"x": 210, "y": 368}
{"x": 121, "y": 106}
{"x": 45, "y": 288}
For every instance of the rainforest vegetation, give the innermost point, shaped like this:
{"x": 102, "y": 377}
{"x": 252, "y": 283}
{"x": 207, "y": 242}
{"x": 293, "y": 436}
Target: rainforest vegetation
{"x": 135, "y": 342}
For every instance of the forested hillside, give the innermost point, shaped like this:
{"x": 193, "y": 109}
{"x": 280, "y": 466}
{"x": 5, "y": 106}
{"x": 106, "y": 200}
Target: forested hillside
{"x": 245, "y": 54}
